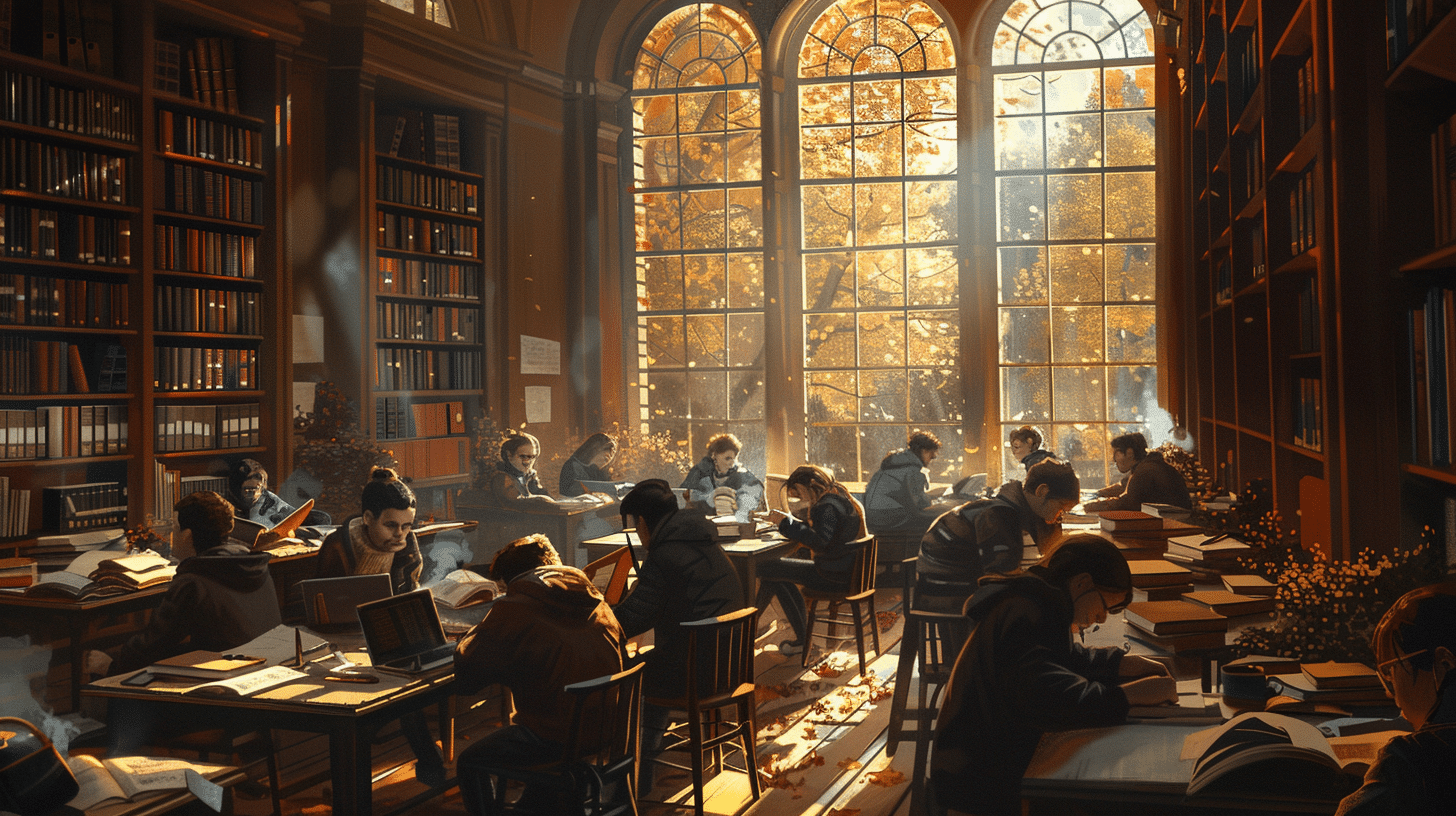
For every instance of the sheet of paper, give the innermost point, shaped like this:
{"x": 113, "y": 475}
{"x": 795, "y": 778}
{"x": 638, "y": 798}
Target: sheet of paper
{"x": 538, "y": 403}
{"x": 540, "y": 356}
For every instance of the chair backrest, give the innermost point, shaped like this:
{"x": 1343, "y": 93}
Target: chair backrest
{"x": 907, "y": 581}
{"x": 723, "y": 647}
{"x": 862, "y": 574}
{"x": 606, "y": 718}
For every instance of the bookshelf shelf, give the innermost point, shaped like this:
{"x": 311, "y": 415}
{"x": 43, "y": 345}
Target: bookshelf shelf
{"x": 1309, "y": 453}
{"x": 1443, "y": 475}
{"x": 90, "y": 396}
{"x": 70, "y": 461}
{"x": 231, "y": 168}
{"x": 207, "y": 452}
{"x": 430, "y": 169}
{"x": 428, "y": 212}
{"x": 434, "y": 394}
{"x": 57, "y": 72}
{"x": 427, "y": 256}
{"x": 70, "y": 203}
{"x": 50, "y": 134}
{"x": 205, "y": 395}
{"x": 1303, "y": 262}
{"x": 71, "y": 266}
{"x": 31, "y": 329}
{"x": 1296, "y": 39}
{"x": 169, "y": 216}
{"x": 203, "y": 277}
{"x": 1431, "y": 56}
{"x": 1439, "y": 258}
{"x": 247, "y": 338}
{"x": 191, "y": 106}
{"x": 1301, "y": 155}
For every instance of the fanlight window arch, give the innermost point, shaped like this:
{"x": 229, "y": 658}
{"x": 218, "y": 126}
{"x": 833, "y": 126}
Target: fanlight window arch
{"x": 436, "y": 11}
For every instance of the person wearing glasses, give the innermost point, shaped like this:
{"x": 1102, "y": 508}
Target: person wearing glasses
{"x": 514, "y": 481}
{"x": 1023, "y": 673}
{"x": 1415, "y": 650}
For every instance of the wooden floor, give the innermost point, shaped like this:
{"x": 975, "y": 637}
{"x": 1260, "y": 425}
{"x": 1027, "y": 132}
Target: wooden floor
{"x": 820, "y": 746}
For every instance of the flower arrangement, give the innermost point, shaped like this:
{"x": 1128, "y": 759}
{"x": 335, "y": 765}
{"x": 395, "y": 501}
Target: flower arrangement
{"x": 334, "y": 450}
{"x": 642, "y": 456}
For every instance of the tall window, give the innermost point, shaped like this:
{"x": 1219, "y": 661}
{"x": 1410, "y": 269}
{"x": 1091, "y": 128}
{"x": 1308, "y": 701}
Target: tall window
{"x": 878, "y": 233}
{"x": 1076, "y": 224}
{"x": 699, "y": 220}
{"x": 436, "y": 11}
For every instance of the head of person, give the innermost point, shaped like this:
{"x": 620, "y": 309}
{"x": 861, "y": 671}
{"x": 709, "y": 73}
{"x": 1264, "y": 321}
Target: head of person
{"x": 248, "y": 479}
{"x": 1024, "y": 440}
{"x": 204, "y": 520}
{"x": 646, "y": 506}
{"x": 1051, "y": 489}
{"x": 520, "y": 451}
{"x": 598, "y": 450}
{"x": 809, "y": 483}
{"x": 522, "y": 556}
{"x": 1127, "y": 450}
{"x": 925, "y": 445}
{"x": 388, "y": 507}
{"x": 1094, "y": 574}
{"x": 723, "y": 449}
{"x": 1415, "y": 649}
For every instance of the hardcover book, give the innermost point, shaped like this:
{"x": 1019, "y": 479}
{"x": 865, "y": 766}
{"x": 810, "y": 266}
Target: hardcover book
{"x": 1174, "y": 618}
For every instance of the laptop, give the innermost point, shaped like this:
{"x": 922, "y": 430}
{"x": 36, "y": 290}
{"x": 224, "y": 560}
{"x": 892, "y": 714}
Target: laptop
{"x": 404, "y": 635}
{"x": 331, "y": 603}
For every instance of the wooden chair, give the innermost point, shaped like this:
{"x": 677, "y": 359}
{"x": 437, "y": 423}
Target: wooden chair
{"x": 860, "y": 597}
{"x": 721, "y": 677}
{"x": 601, "y": 751}
{"x": 929, "y": 639}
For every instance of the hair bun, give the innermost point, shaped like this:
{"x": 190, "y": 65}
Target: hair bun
{"x": 383, "y": 474}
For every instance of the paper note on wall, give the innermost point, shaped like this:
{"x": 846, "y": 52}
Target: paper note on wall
{"x": 540, "y": 356}
{"x": 538, "y": 403}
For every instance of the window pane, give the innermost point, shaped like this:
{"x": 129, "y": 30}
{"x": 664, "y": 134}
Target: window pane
{"x": 823, "y": 103}
{"x": 835, "y": 448}
{"x": 1130, "y": 86}
{"x": 1133, "y": 392}
{"x": 827, "y": 210}
{"x": 1024, "y": 336}
{"x": 1079, "y": 90}
{"x": 931, "y": 209}
{"x": 1131, "y": 139}
{"x": 877, "y": 101}
{"x": 882, "y": 339}
{"x": 1085, "y": 448}
{"x": 1076, "y": 273}
{"x": 705, "y": 341}
{"x": 745, "y": 340}
{"x": 701, "y": 159}
{"x": 829, "y": 341}
{"x": 744, "y": 156}
{"x": 1019, "y": 143}
{"x": 1075, "y": 206}
{"x": 702, "y": 219}
{"x": 1130, "y": 272}
{"x": 1023, "y": 274}
{"x": 933, "y": 277}
{"x": 1026, "y": 393}
{"x": 825, "y": 152}
{"x": 659, "y": 219}
{"x": 828, "y": 281}
{"x": 1021, "y": 208}
{"x": 881, "y": 278}
{"x": 833, "y": 395}
{"x": 935, "y": 395}
{"x": 745, "y": 280}
{"x": 664, "y": 283}
{"x": 702, "y": 112}
{"x": 1077, "y": 334}
{"x": 933, "y": 338}
{"x": 930, "y": 148}
{"x": 1131, "y": 205}
{"x": 659, "y": 162}
{"x": 1078, "y": 394}
{"x": 745, "y": 396}
{"x": 703, "y": 279}
{"x": 1074, "y": 140}
{"x": 665, "y": 342}
{"x": 879, "y": 214}
{"x": 1131, "y": 334}
{"x": 879, "y": 150}
{"x": 1018, "y": 93}
{"x": 667, "y": 395}
{"x": 745, "y": 217}
{"x": 707, "y": 395}
{"x": 882, "y": 398}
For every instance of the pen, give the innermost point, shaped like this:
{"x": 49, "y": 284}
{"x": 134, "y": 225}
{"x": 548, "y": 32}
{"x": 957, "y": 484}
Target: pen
{"x": 298, "y": 646}
{"x": 1215, "y": 539}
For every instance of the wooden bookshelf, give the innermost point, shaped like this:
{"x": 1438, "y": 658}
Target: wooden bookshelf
{"x": 163, "y": 267}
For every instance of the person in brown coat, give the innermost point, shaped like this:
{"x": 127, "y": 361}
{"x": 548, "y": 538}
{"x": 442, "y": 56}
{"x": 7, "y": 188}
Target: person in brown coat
{"x": 1150, "y": 479}
{"x": 552, "y": 628}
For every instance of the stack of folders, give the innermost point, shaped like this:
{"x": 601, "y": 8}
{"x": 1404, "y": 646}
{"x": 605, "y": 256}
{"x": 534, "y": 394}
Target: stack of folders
{"x": 1175, "y": 626}
{"x": 1159, "y": 580}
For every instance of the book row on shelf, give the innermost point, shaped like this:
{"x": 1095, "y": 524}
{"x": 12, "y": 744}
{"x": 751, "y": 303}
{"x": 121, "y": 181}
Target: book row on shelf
{"x": 432, "y": 458}
{"x": 423, "y": 321}
{"x": 196, "y": 136}
{"x": 1432, "y": 355}
{"x": 433, "y": 138}
{"x": 30, "y": 366}
{"x": 210, "y": 72}
{"x": 1304, "y": 89}
{"x": 42, "y": 300}
{"x": 187, "y": 368}
{"x": 189, "y": 249}
{"x": 1443, "y": 177}
{"x": 1223, "y": 282}
{"x": 206, "y": 427}
{"x": 211, "y": 193}
{"x": 14, "y": 510}
{"x": 222, "y": 311}
{"x": 64, "y": 431}
{"x": 66, "y": 172}
{"x": 413, "y": 234}
{"x": 1309, "y": 316}
{"x": 402, "y": 276}
{"x": 1407, "y": 21}
{"x": 83, "y": 506}
{"x": 52, "y": 235}
{"x": 1246, "y": 68}
{"x": 1253, "y": 153}
{"x": 403, "y": 185}
{"x": 1302, "y": 212}
{"x": 1257, "y": 264}
{"x": 96, "y": 112}
{"x": 427, "y": 369}
{"x": 1308, "y": 414}
{"x": 400, "y": 418}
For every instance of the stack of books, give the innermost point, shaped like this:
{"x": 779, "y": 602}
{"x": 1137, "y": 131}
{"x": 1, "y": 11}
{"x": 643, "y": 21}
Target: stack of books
{"x": 1175, "y": 626}
{"x": 1159, "y": 580}
{"x": 1250, "y": 585}
{"x": 59, "y": 551}
{"x": 17, "y": 572}
{"x": 1167, "y": 511}
{"x": 137, "y": 571}
{"x": 1231, "y": 604}
{"x": 1331, "y": 682}
{"x": 1208, "y": 556}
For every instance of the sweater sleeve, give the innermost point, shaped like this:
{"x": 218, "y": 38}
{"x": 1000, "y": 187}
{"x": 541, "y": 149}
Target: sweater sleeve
{"x": 164, "y": 634}
{"x": 819, "y": 537}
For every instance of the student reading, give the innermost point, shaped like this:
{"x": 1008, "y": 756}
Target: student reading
{"x": 720, "y": 469}
{"x": 514, "y": 480}
{"x": 589, "y": 463}
{"x": 1150, "y": 479}
{"x": 1021, "y": 673}
{"x": 1415, "y": 653}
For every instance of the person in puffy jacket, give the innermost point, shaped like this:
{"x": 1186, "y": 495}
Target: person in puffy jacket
{"x": 720, "y": 469}
{"x": 896, "y": 499}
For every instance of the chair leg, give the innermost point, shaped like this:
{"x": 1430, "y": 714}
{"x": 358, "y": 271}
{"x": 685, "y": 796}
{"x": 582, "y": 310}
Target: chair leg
{"x": 904, "y": 671}
{"x": 747, "y": 731}
{"x": 924, "y": 728}
{"x": 858, "y": 634}
{"x": 874, "y": 625}
{"x": 808, "y": 632}
{"x": 272, "y": 763}
{"x": 695, "y": 744}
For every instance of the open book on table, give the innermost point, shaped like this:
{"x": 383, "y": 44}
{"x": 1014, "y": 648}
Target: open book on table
{"x": 1260, "y": 753}
{"x": 463, "y": 588}
{"x": 248, "y": 683}
{"x": 128, "y": 777}
{"x": 259, "y": 537}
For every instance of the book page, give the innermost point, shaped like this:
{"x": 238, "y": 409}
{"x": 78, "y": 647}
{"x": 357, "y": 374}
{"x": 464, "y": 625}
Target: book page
{"x": 139, "y": 774}
{"x": 95, "y": 781}
{"x": 458, "y": 587}
{"x": 86, "y": 563}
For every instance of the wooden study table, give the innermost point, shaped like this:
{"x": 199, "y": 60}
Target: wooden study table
{"x": 745, "y": 554}
{"x": 560, "y": 522}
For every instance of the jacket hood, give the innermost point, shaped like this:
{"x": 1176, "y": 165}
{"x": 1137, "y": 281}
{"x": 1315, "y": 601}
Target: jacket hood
{"x": 1032, "y": 586}
{"x": 902, "y": 459}
{"x": 231, "y": 564}
{"x": 565, "y": 590}
{"x": 686, "y": 527}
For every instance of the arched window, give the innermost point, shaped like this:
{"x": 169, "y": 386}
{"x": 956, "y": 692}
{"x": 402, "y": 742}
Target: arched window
{"x": 876, "y": 92}
{"x": 698, "y": 207}
{"x": 1075, "y": 223}
{"x": 436, "y": 11}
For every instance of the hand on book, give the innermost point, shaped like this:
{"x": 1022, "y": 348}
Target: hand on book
{"x": 1151, "y": 691}
{"x": 1133, "y": 665}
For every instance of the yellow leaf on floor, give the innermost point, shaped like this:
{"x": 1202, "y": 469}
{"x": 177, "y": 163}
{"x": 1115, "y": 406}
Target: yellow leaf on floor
{"x": 886, "y": 778}
{"x": 849, "y": 765}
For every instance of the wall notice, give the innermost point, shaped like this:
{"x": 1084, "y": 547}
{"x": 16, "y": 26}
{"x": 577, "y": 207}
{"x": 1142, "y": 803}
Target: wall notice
{"x": 540, "y": 356}
{"x": 538, "y": 403}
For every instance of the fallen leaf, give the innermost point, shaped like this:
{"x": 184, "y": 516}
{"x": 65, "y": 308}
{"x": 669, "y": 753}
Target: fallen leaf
{"x": 886, "y": 778}
{"x": 849, "y": 765}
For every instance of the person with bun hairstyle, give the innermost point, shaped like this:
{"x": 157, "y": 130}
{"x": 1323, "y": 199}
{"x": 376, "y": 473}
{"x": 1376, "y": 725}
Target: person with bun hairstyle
{"x": 378, "y": 540}
{"x": 588, "y": 463}
{"x": 1415, "y": 654}
{"x": 514, "y": 480}
{"x": 834, "y": 520}
{"x": 1023, "y": 673}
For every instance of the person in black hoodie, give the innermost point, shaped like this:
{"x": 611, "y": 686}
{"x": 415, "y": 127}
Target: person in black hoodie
{"x": 835, "y": 520}
{"x": 552, "y": 628}
{"x": 221, "y": 597}
{"x": 685, "y": 577}
{"x": 589, "y": 462}
{"x": 1022, "y": 674}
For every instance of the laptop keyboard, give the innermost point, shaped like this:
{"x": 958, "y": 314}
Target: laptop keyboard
{"x": 425, "y": 660}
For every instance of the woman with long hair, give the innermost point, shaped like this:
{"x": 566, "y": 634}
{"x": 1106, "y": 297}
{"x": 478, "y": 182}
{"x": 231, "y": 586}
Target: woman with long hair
{"x": 589, "y": 463}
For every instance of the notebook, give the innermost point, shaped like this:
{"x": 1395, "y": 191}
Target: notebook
{"x": 404, "y": 635}
{"x": 333, "y": 602}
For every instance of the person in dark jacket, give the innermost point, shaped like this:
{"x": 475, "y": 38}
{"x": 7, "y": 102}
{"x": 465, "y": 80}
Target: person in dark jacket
{"x": 1415, "y": 653}
{"x": 514, "y": 481}
{"x": 684, "y": 577}
{"x": 1150, "y": 479}
{"x": 1022, "y": 674}
{"x": 835, "y": 520}
{"x": 721, "y": 470}
{"x": 1026, "y": 447}
{"x": 588, "y": 463}
{"x": 896, "y": 500}
{"x": 381, "y": 540}
{"x": 552, "y": 628}
{"x": 248, "y": 481}
{"x": 221, "y": 597}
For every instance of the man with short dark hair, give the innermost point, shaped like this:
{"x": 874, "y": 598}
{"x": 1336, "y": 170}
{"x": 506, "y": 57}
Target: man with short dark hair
{"x": 1150, "y": 479}
{"x": 1026, "y": 447}
{"x": 897, "y": 498}
{"x": 552, "y": 628}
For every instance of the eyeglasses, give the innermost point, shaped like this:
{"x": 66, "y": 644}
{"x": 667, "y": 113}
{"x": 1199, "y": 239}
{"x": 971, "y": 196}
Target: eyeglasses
{"x": 1386, "y": 670}
{"x": 1109, "y": 610}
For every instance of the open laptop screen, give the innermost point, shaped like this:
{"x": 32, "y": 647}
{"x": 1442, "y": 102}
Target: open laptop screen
{"x": 398, "y": 627}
